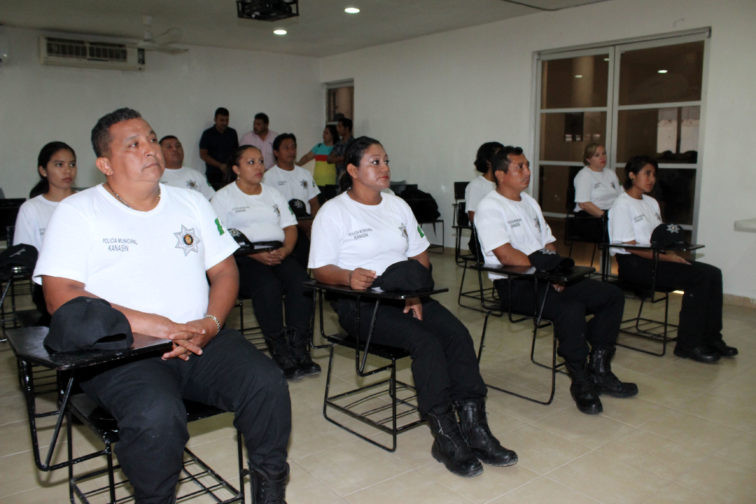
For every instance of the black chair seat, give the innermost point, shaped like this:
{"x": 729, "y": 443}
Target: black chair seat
{"x": 103, "y": 424}
{"x": 385, "y": 351}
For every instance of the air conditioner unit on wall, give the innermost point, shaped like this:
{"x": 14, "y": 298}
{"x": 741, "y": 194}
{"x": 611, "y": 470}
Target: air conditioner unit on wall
{"x": 90, "y": 54}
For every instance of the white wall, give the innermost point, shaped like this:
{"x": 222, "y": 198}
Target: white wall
{"x": 177, "y": 94}
{"x": 433, "y": 100}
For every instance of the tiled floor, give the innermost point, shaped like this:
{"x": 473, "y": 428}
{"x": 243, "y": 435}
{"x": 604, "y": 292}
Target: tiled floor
{"x": 688, "y": 437}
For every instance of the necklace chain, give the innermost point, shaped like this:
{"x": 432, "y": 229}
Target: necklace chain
{"x": 118, "y": 197}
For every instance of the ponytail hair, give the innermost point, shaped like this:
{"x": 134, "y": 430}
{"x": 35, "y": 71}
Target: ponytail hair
{"x": 47, "y": 152}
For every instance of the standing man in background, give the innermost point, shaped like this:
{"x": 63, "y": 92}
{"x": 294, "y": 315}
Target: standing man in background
{"x": 216, "y": 146}
{"x": 262, "y": 138}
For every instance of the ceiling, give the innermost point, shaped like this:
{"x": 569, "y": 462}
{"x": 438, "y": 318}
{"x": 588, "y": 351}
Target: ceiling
{"x": 321, "y": 29}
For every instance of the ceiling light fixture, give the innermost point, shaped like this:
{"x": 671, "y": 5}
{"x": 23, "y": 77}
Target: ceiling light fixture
{"x": 662, "y": 71}
{"x": 280, "y": 32}
{"x": 352, "y": 10}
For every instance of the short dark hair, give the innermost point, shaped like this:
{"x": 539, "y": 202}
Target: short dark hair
{"x": 221, "y": 111}
{"x": 101, "y": 132}
{"x": 263, "y": 117}
{"x": 501, "y": 160}
{"x": 634, "y": 165}
{"x": 280, "y": 138}
{"x": 353, "y": 154}
{"x": 167, "y": 137}
{"x": 485, "y": 154}
{"x": 346, "y": 122}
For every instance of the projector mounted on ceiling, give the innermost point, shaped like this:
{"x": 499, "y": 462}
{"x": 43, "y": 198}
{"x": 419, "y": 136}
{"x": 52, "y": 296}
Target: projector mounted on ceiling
{"x": 267, "y": 10}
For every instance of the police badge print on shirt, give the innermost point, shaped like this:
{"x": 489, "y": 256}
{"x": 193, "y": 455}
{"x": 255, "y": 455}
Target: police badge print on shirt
{"x": 187, "y": 240}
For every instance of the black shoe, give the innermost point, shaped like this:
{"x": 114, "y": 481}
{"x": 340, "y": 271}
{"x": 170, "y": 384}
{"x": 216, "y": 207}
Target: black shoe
{"x": 308, "y": 368}
{"x": 269, "y": 489}
{"x": 449, "y": 447}
{"x": 300, "y": 353}
{"x": 604, "y": 381}
{"x": 475, "y": 431}
{"x": 583, "y": 390}
{"x": 279, "y": 351}
{"x": 723, "y": 349}
{"x": 700, "y": 354}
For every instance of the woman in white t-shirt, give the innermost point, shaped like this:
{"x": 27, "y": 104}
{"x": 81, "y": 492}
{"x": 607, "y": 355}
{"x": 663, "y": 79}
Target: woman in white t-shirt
{"x": 596, "y": 188}
{"x": 632, "y": 219}
{"x": 480, "y": 186}
{"x": 356, "y": 236}
{"x": 272, "y": 279}
{"x": 56, "y": 166}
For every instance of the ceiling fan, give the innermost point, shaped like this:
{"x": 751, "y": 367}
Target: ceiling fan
{"x": 163, "y": 42}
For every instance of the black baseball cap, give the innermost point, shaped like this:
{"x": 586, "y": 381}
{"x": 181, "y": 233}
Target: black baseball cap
{"x": 87, "y": 323}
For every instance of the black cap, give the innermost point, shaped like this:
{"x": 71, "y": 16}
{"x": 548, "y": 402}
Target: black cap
{"x": 18, "y": 255}
{"x": 667, "y": 236}
{"x": 87, "y": 323}
{"x": 298, "y": 207}
{"x": 550, "y": 262}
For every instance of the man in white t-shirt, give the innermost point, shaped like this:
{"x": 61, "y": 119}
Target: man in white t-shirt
{"x": 510, "y": 227}
{"x": 178, "y": 175}
{"x": 293, "y": 181}
{"x": 160, "y": 256}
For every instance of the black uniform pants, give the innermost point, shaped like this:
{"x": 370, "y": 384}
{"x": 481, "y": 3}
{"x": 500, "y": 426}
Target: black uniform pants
{"x": 701, "y": 312}
{"x": 266, "y": 286}
{"x": 568, "y": 309}
{"x": 444, "y": 364}
{"x": 145, "y": 397}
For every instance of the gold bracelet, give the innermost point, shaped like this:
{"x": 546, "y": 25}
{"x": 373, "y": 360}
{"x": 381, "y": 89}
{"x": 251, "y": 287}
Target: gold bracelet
{"x": 215, "y": 319}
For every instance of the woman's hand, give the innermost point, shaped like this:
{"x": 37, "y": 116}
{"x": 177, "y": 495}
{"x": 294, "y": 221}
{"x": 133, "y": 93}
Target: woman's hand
{"x": 360, "y": 278}
{"x": 415, "y": 306}
{"x": 269, "y": 258}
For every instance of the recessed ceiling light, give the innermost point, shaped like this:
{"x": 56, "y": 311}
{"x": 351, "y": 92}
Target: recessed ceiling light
{"x": 662, "y": 71}
{"x": 578, "y": 76}
{"x": 280, "y": 32}
{"x": 352, "y": 10}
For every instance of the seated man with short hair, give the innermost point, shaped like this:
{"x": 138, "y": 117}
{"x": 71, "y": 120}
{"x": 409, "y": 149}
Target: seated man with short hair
{"x": 160, "y": 256}
{"x": 510, "y": 227}
{"x": 178, "y": 175}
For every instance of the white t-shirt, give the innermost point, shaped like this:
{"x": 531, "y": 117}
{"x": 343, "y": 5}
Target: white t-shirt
{"x": 293, "y": 184}
{"x": 261, "y": 217}
{"x": 351, "y": 235}
{"x": 475, "y": 190}
{"x": 600, "y": 188}
{"x": 31, "y": 221}
{"x": 500, "y": 220}
{"x": 633, "y": 219}
{"x": 188, "y": 178}
{"x": 152, "y": 261}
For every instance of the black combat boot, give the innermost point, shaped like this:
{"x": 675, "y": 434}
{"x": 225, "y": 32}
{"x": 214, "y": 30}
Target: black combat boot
{"x": 582, "y": 389}
{"x": 301, "y": 354}
{"x": 599, "y": 366}
{"x": 269, "y": 489}
{"x": 279, "y": 350}
{"x": 449, "y": 447}
{"x": 474, "y": 428}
